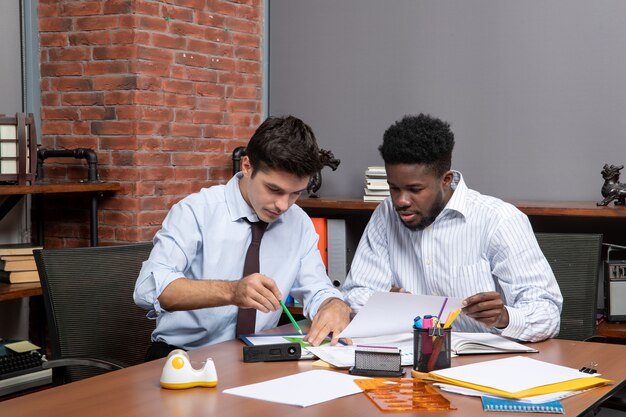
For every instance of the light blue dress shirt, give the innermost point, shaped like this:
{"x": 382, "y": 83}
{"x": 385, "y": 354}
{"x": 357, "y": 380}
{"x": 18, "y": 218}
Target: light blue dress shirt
{"x": 205, "y": 236}
{"x": 477, "y": 243}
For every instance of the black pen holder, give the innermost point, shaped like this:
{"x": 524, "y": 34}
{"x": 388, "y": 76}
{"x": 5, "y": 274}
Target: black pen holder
{"x": 431, "y": 349}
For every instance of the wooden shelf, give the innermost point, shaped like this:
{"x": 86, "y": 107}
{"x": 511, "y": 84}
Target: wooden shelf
{"x": 612, "y": 330}
{"x": 15, "y": 291}
{"x": 59, "y": 187}
{"x": 530, "y": 208}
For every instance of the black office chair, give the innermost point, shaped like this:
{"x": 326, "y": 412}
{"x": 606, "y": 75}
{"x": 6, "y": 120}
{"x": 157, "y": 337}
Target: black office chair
{"x": 575, "y": 261}
{"x": 93, "y": 322}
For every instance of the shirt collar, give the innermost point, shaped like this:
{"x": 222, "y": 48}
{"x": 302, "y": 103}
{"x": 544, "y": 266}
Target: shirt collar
{"x": 458, "y": 200}
{"x": 237, "y": 206}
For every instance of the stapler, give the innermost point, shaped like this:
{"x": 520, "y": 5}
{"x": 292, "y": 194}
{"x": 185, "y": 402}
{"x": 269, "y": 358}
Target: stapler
{"x": 179, "y": 374}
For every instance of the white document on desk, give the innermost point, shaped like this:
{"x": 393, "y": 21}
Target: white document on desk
{"x": 302, "y": 389}
{"x": 387, "y": 313}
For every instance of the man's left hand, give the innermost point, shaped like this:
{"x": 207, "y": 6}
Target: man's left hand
{"x": 487, "y": 308}
{"x": 332, "y": 317}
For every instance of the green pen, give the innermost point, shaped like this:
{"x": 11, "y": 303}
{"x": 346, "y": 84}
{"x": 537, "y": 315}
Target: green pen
{"x": 293, "y": 321}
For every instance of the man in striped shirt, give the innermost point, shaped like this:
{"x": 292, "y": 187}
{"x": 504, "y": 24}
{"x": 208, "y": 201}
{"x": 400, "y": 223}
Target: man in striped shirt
{"x": 435, "y": 236}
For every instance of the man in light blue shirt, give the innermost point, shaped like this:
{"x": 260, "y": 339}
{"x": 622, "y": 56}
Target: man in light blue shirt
{"x": 435, "y": 236}
{"x": 193, "y": 284}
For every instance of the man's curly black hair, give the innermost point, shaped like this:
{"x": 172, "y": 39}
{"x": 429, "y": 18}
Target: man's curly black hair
{"x": 421, "y": 139}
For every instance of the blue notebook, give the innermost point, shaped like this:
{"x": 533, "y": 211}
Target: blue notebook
{"x": 503, "y": 404}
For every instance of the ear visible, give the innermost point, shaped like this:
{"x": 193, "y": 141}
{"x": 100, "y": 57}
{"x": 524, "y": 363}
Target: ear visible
{"x": 245, "y": 166}
{"x": 447, "y": 178}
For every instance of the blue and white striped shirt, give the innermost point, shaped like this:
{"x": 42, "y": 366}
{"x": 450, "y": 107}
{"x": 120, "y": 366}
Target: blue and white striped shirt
{"x": 476, "y": 244}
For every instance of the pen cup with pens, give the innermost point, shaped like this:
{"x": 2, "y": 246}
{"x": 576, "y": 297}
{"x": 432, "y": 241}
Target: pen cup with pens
{"x": 431, "y": 347}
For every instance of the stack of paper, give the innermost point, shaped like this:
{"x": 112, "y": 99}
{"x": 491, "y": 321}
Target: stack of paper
{"x": 376, "y": 187}
{"x": 517, "y": 377}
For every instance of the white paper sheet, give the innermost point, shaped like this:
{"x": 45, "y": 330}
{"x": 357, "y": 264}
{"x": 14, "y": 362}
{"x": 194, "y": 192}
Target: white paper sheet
{"x": 388, "y": 313}
{"x": 535, "y": 399}
{"x": 303, "y": 389}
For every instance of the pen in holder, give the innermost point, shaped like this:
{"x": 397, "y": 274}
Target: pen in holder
{"x": 431, "y": 349}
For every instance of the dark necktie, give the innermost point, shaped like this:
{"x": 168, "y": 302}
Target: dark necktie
{"x": 246, "y": 317}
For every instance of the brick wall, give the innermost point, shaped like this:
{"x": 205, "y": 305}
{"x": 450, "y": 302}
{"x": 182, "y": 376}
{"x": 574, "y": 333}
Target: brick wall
{"x": 163, "y": 91}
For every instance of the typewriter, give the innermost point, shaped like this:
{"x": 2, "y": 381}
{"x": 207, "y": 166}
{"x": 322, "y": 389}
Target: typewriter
{"x": 21, "y": 370}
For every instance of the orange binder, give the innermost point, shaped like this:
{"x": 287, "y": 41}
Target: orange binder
{"x": 322, "y": 245}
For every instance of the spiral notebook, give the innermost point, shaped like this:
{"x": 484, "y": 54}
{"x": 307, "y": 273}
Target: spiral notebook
{"x": 503, "y": 404}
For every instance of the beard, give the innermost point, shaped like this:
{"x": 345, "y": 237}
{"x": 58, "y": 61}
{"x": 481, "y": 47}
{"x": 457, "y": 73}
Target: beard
{"x": 428, "y": 218}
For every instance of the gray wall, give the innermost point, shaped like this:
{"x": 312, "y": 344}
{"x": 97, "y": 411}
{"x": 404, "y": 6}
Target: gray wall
{"x": 10, "y": 58}
{"x": 535, "y": 91}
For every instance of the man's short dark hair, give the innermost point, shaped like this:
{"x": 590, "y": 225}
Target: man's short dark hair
{"x": 286, "y": 144}
{"x": 419, "y": 139}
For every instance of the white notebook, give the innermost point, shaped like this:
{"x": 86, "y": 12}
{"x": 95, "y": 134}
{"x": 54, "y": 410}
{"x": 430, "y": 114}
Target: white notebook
{"x": 477, "y": 343}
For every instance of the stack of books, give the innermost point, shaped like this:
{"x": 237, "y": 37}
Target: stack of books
{"x": 17, "y": 263}
{"x": 376, "y": 187}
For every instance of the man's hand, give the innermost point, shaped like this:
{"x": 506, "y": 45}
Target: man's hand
{"x": 332, "y": 317}
{"x": 256, "y": 291}
{"x": 487, "y": 308}
{"x": 398, "y": 289}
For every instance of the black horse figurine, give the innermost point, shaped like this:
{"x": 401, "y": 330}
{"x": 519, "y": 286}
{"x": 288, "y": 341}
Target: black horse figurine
{"x": 612, "y": 188}
{"x": 329, "y": 160}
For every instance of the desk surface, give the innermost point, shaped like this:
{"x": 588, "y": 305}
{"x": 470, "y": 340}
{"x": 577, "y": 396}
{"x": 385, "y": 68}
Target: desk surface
{"x": 14, "y": 291}
{"x": 135, "y": 391}
{"x": 59, "y": 187}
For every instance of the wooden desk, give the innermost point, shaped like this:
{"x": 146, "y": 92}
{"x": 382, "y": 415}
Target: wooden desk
{"x": 135, "y": 391}
{"x": 16, "y": 192}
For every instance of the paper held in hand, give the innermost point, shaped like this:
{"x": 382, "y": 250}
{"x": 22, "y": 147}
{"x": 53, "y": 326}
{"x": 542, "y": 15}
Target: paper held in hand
{"x": 387, "y": 313}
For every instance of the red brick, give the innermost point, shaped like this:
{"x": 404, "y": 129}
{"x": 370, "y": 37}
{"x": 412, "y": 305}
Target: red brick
{"x": 117, "y": 7}
{"x": 118, "y": 217}
{"x": 242, "y": 119}
{"x": 59, "y": 113}
{"x": 225, "y": 64}
{"x": 101, "y": 37}
{"x": 50, "y": 99}
{"x": 154, "y": 54}
{"x": 207, "y": 117}
{"x": 114, "y": 52}
{"x": 187, "y": 29}
{"x": 189, "y": 159}
{"x": 220, "y": 132}
{"x": 153, "y": 128}
{"x": 240, "y": 79}
{"x": 211, "y": 90}
{"x": 209, "y": 48}
{"x": 184, "y": 116}
{"x": 98, "y": 113}
{"x": 187, "y": 130}
{"x": 242, "y": 106}
{"x": 53, "y": 39}
{"x": 219, "y": 159}
{"x": 247, "y": 39}
{"x": 212, "y": 104}
{"x": 176, "y": 100}
{"x": 210, "y": 19}
{"x": 123, "y": 157}
{"x": 210, "y": 145}
{"x": 87, "y": 8}
{"x": 73, "y": 142}
{"x": 58, "y": 70}
{"x": 157, "y": 24}
{"x": 177, "y": 13}
{"x": 119, "y": 143}
{"x": 192, "y": 59}
{"x": 123, "y": 82}
{"x": 253, "y": 54}
{"x": 151, "y": 159}
{"x": 82, "y": 99}
{"x": 166, "y": 41}
{"x": 179, "y": 144}
{"x": 221, "y": 174}
{"x": 123, "y": 37}
{"x": 177, "y": 86}
{"x": 240, "y": 25}
{"x": 220, "y": 35}
{"x": 111, "y": 128}
{"x": 119, "y": 97}
{"x": 150, "y": 98}
{"x": 194, "y": 4}
{"x": 246, "y": 93}
{"x": 249, "y": 66}
{"x": 127, "y": 112}
{"x": 55, "y": 24}
{"x": 183, "y": 174}
{"x": 149, "y": 83}
{"x": 150, "y": 143}
{"x": 97, "y": 23}
{"x": 105, "y": 68}
{"x": 48, "y": 10}
{"x": 159, "y": 69}
{"x": 157, "y": 114}
{"x": 156, "y": 174}
{"x": 71, "y": 84}
{"x": 146, "y": 8}
{"x": 249, "y": 13}
{"x": 117, "y": 174}
{"x": 243, "y": 132}
{"x": 55, "y": 128}
{"x": 222, "y": 7}
{"x": 145, "y": 188}
{"x": 200, "y": 74}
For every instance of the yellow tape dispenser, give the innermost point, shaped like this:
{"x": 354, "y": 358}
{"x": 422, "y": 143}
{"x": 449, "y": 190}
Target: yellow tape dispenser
{"x": 179, "y": 374}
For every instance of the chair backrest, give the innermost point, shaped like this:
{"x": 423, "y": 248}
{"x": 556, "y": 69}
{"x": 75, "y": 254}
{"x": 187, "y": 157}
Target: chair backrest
{"x": 88, "y": 295}
{"x": 575, "y": 261}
